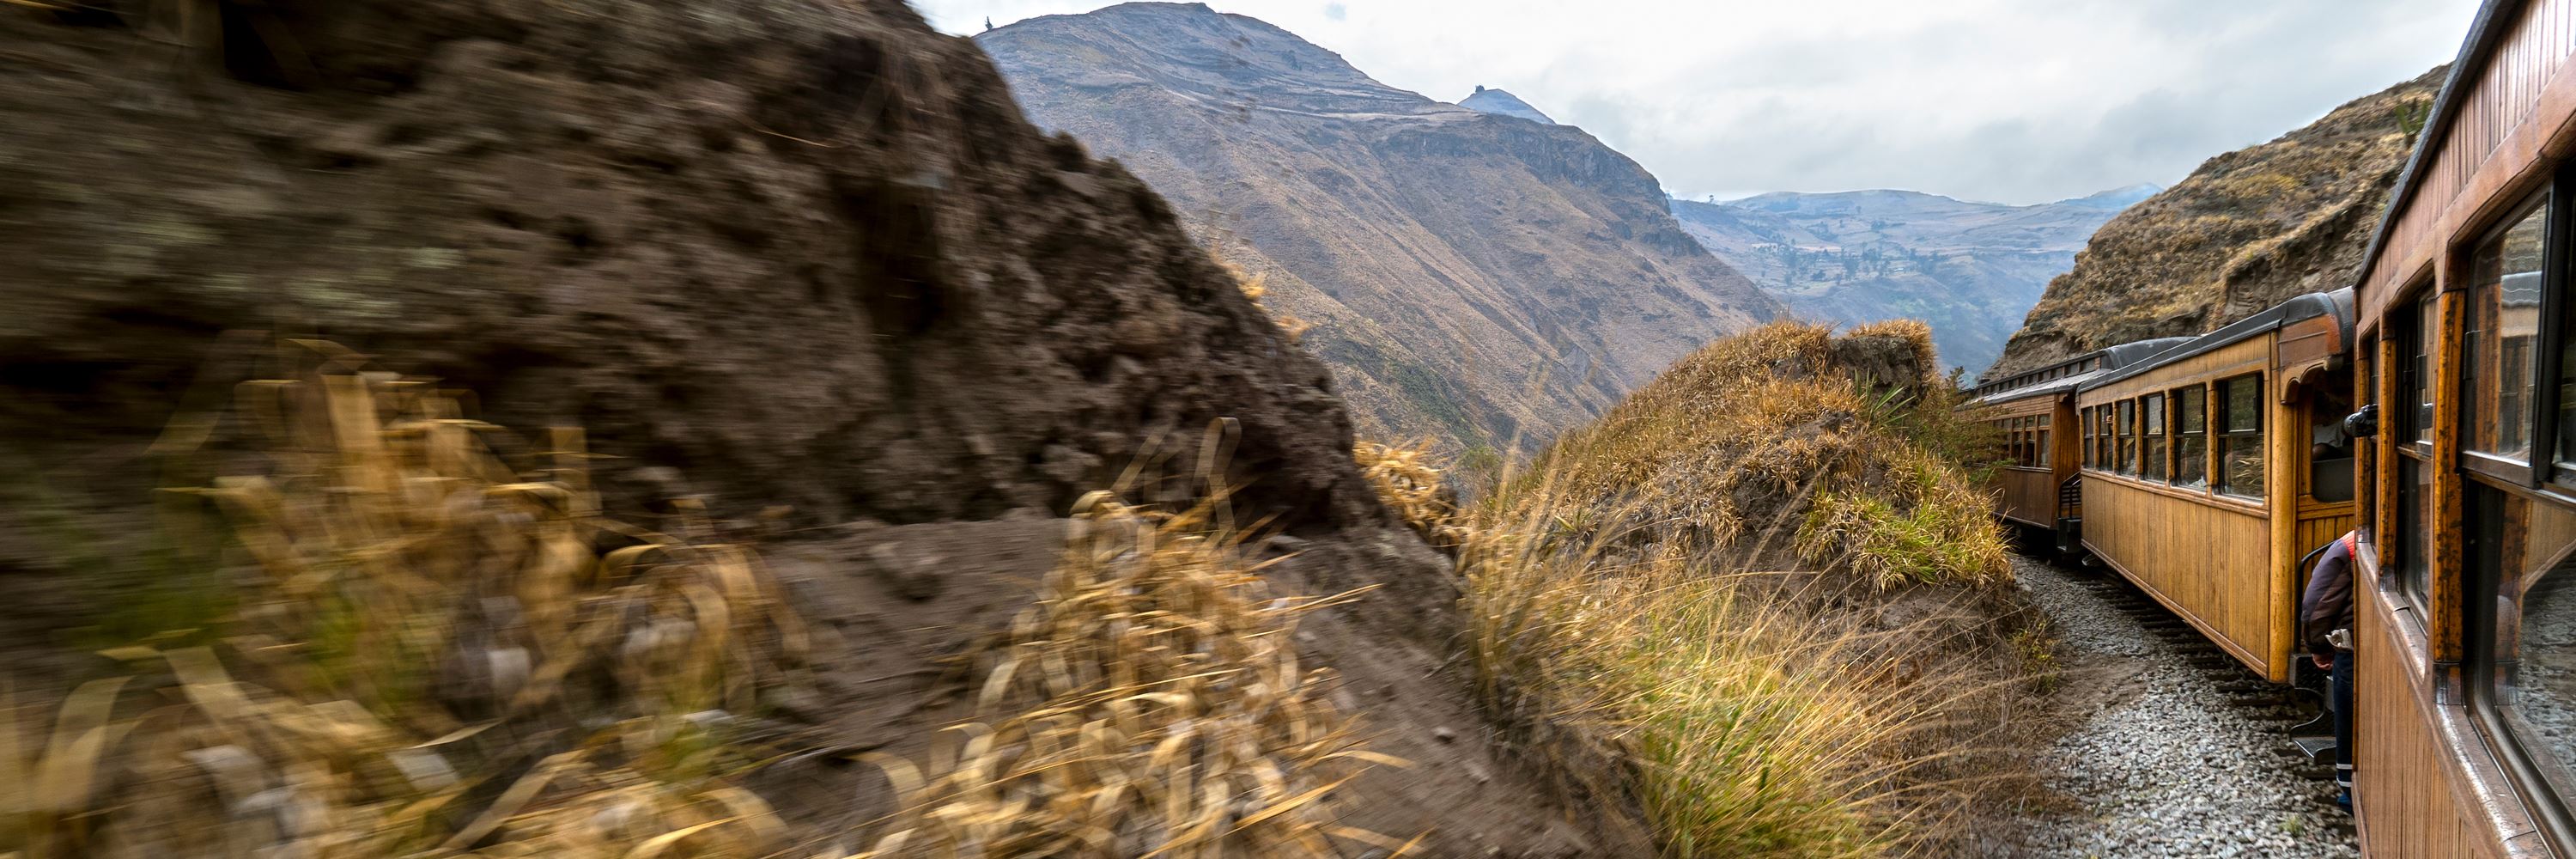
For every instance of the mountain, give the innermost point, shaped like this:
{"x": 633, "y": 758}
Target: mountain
{"x": 2241, "y": 233}
{"x": 1470, "y": 277}
{"x": 1970, "y": 269}
{"x": 1507, "y": 104}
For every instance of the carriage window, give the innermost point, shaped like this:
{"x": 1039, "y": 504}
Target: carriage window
{"x": 2128, "y": 430}
{"x": 2414, "y": 411}
{"x": 2414, "y": 377}
{"x": 2500, "y": 328}
{"x": 2084, "y": 424}
{"x": 2029, "y": 441}
{"x": 2151, "y": 436}
{"x": 2523, "y": 646}
{"x": 2191, "y": 437}
{"x": 2329, "y": 450}
{"x": 2240, "y": 444}
{"x": 2110, "y": 436}
{"x": 2039, "y": 443}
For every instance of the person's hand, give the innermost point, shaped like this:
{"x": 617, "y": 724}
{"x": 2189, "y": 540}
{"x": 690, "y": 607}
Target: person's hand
{"x": 2322, "y": 663}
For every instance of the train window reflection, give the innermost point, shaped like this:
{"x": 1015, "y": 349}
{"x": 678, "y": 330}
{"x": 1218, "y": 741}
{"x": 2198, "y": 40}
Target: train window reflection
{"x": 2240, "y": 448}
{"x": 2151, "y": 436}
{"x": 2330, "y": 476}
{"x": 2415, "y": 368}
{"x": 2128, "y": 430}
{"x": 2414, "y": 525}
{"x": 2529, "y": 663}
{"x": 2039, "y": 443}
{"x": 2191, "y": 438}
{"x": 2500, "y": 328}
{"x": 2084, "y": 422}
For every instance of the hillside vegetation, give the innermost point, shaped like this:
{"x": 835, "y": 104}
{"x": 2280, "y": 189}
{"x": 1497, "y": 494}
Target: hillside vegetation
{"x": 1756, "y": 599}
{"x": 2245, "y": 231}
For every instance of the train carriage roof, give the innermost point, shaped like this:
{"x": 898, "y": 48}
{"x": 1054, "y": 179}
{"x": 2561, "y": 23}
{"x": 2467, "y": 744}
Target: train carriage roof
{"x": 2052, "y": 380}
{"x": 2337, "y": 304}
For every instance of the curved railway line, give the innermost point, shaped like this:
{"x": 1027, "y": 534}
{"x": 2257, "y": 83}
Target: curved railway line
{"x": 2170, "y": 748}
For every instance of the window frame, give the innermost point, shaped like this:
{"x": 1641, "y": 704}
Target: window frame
{"x": 2084, "y": 431}
{"x": 2153, "y": 421}
{"x": 2176, "y": 434}
{"x": 2496, "y": 465}
{"x": 2221, "y": 437}
{"x": 2124, "y": 426}
{"x": 2543, "y": 478}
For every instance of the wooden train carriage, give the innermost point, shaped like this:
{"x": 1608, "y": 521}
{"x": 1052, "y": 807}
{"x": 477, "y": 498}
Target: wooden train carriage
{"x": 2033, "y": 414}
{"x": 2466, "y": 625}
{"x": 2210, "y": 468}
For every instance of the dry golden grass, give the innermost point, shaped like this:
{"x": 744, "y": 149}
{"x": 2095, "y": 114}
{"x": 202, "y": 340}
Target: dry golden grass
{"x": 1409, "y": 478}
{"x": 426, "y": 655}
{"x": 1151, "y": 703}
{"x": 1624, "y": 625}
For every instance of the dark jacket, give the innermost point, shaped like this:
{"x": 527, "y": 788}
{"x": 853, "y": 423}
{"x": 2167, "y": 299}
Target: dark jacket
{"x": 2327, "y": 605}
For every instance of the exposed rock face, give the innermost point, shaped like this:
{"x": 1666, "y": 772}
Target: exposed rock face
{"x": 1471, "y": 277}
{"x": 2245, "y": 231}
{"x": 1507, "y": 104}
{"x": 797, "y": 252}
{"x": 1970, "y": 269}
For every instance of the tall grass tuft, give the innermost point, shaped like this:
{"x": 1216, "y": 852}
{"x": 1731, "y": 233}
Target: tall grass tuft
{"x": 437, "y": 643}
{"x": 1151, "y": 703}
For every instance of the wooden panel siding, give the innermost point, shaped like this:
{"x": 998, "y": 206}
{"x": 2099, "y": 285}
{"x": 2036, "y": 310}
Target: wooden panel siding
{"x": 2029, "y": 495}
{"x": 2401, "y": 771}
{"x": 2210, "y": 562}
{"x": 2490, "y": 147}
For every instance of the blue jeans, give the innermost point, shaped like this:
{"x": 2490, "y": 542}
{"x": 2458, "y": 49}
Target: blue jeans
{"x": 2339, "y": 686}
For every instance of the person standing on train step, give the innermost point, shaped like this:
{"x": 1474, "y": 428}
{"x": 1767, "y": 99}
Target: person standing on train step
{"x": 2325, "y": 625}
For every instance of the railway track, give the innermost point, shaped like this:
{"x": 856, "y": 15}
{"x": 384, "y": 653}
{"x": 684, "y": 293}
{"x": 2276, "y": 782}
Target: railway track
{"x": 2171, "y": 747}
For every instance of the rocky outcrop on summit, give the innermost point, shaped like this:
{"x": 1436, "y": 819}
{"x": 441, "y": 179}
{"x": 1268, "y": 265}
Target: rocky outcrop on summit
{"x": 1507, "y": 104}
{"x": 2245, "y": 231}
{"x": 1856, "y": 257}
{"x": 1470, "y": 277}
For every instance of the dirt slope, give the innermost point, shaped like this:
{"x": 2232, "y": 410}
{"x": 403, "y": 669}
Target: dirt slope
{"x": 1471, "y": 276}
{"x": 768, "y": 252}
{"x": 2245, "y": 231}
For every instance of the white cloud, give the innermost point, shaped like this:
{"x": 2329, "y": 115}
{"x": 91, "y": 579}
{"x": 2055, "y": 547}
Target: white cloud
{"x": 2010, "y": 100}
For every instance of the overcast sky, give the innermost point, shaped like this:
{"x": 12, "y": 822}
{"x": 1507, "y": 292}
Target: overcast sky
{"x": 2017, "y": 101}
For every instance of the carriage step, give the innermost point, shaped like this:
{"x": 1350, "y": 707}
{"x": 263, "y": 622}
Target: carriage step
{"x": 2315, "y": 747}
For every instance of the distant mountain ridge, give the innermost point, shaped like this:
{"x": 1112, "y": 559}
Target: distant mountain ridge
{"x": 1970, "y": 269}
{"x": 1472, "y": 277}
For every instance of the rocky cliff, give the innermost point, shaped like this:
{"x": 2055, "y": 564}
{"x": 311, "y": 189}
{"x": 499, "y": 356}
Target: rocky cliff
{"x": 1970, "y": 269}
{"x": 796, "y": 255}
{"x": 2243, "y": 232}
{"x": 1472, "y": 277}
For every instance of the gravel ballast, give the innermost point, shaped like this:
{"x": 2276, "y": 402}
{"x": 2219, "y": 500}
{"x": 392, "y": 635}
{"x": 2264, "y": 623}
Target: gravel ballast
{"x": 2169, "y": 752}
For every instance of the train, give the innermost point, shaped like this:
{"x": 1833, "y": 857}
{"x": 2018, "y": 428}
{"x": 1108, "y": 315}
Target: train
{"x": 2428, "y": 407}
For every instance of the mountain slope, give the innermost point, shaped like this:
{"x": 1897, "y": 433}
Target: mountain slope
{"x": 1470, "y": 277}
{"x": 1970, "y": 269}
{"x": 2246, "y": 230}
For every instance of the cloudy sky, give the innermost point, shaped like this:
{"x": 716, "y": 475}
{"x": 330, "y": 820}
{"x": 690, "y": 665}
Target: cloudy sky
{"x": 2017, "y": 101}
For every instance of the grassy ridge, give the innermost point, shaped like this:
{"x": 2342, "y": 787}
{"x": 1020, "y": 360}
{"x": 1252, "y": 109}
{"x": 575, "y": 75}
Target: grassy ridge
{"x": 1660, "y": 605}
